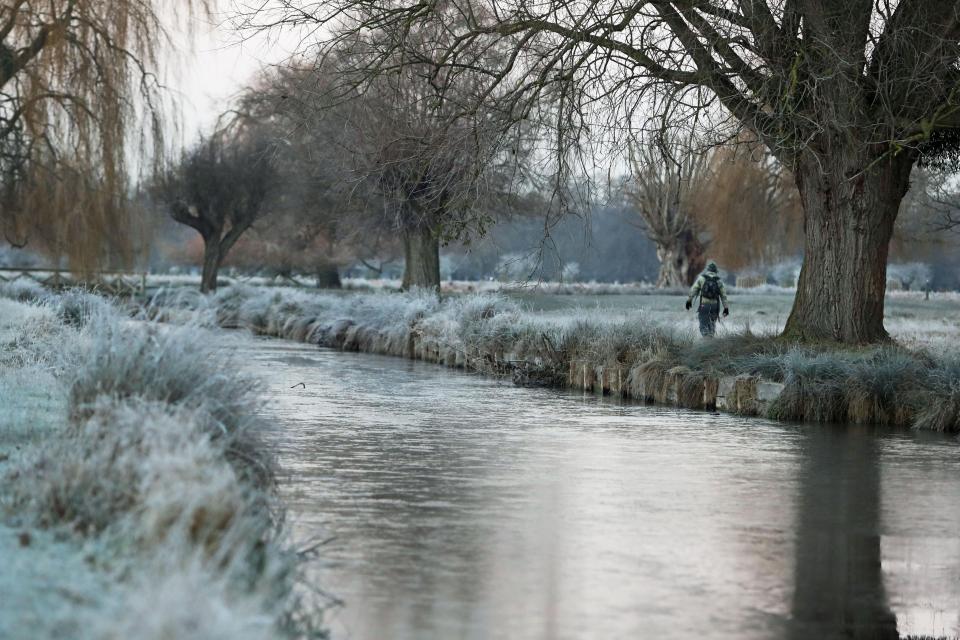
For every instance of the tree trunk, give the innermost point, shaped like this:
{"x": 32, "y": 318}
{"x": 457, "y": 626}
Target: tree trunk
{"x": 421, "y": 249}
{"x": 328, "y": 277}
{"x": 211, "y": 265}
{"x": 849, "y": 213}
{"x": 681, "y": 260}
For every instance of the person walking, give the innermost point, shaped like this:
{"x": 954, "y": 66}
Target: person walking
{"x": 712, "y": 293}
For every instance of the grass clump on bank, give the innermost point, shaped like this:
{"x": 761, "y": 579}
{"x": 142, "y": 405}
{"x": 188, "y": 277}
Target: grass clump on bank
{"x": 157, "y": 474}
{"x": 638, "y": 358}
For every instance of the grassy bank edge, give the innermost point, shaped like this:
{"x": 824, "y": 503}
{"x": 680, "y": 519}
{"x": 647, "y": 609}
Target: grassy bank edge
{"x": 639, "y": 359}
{"x": 150, "y": 477}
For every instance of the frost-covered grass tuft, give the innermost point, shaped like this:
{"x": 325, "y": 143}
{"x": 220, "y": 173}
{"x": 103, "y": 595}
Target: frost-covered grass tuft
{"x": 175, "y": 366}
{"x": 150, "y": 471}
{"x": 153, "y": 470}
{"x": 23, "y": 290}
{"x": 76, "y": 307}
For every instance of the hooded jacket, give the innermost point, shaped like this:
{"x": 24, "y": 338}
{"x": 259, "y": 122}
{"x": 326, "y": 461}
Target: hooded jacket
{"x": 712, "y": 272}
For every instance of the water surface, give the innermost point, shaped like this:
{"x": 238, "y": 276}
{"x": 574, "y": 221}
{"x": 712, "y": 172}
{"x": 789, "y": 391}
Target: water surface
{"x": 463, "y": 507}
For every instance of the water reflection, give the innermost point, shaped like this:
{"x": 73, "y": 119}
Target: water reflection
{"x": 464, "y": 508}
{"x": 839, "y": 590}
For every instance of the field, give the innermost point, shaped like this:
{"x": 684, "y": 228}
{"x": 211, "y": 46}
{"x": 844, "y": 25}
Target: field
{"x": 910, "y": 319}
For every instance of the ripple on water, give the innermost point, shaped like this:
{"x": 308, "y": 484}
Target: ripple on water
{"x": 463, "y": 507}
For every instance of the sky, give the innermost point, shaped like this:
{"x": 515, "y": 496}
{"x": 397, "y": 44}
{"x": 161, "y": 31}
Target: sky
{"x": 213, "y": 65}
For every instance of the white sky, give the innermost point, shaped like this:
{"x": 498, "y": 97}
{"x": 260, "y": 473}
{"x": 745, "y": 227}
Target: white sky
{"x": 212, "y": 68}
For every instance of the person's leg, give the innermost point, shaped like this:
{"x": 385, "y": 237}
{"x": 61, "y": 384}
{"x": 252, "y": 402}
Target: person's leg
{"x": 703, "y": 313}
{"x": 708, "y": 314}
{"x": 714, "y": 316}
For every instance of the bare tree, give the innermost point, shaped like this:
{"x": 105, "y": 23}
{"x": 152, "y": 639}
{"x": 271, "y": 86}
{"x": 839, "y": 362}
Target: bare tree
{"x": 667, "y": 179}
{"x": 428, "y": 153}
{"x": 220, "y": 189}
{"x": 326, "y": 216}
{"x": 78, "y": 84}
{"x": 847, "y": 95}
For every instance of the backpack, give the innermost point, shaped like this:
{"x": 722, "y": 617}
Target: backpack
{"x": 711, "y": 287}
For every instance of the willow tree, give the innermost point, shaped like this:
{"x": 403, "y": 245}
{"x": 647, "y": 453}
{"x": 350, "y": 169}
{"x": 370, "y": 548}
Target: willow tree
{"x": 667, "y": 181}
{"x": 750, "y": 210}
{"x": 847, "y": 94}
{"x": 78, "y": 87}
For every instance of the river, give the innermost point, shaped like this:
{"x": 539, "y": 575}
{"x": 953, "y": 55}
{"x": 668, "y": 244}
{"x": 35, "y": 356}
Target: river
{"x": 461, "y": 507}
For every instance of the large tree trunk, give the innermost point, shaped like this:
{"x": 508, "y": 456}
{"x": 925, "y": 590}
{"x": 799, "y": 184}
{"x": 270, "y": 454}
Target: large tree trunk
{"x": 849, "y": 211}
{"x": 212, "y": 256}
{"x": 328, "y": 277}
{"x": 421, "y": 249}
{"x": 681, "y": 260}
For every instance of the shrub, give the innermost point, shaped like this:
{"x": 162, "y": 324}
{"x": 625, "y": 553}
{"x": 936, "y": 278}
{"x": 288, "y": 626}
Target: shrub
{"x": 23, "y": 290}
{"x": 75, "y": 308}
{"x": 176, "y": 366}
{"x": 814, "y": 387}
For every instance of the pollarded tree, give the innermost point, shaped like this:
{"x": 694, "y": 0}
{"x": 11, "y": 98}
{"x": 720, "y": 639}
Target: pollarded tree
{"x": 78, "y": 84}
{"x": 666, "y": 183}
{"x": 326, "y": 216}
{"x": 424, "y": 151}
{"x": 220, "y": 189}
{"x": 847, "y": 94}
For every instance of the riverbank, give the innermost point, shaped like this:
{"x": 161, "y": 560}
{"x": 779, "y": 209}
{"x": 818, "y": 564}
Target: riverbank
{"x": 138, "y": 499}
{"x": 745, "y": 373}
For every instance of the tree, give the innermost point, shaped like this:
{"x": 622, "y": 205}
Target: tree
{"x": 426, "y": 151}
{"x": 666, "y": 184}
{"x": 750, "y": 208}
{"x": 77, "y": 86}
{"x": 847, "y": 96}
{"x": 324, "y": 218}
{"x": 220, "y": 189}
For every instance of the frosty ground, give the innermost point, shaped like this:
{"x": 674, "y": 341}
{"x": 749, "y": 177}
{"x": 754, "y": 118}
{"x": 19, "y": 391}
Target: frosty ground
{"x": 137, "y": 495}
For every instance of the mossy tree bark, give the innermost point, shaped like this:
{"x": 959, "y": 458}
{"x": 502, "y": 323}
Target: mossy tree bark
{"x": 421, "y": 250}
{"x": 850, "y": 206}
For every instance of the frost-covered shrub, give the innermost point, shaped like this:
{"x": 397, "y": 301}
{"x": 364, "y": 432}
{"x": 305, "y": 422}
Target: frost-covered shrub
{"x": 76, "y": 307}
{"x": 23, "y": 290}
{"x": 179, "y": 367}
{"x": 570, "y": 272}
{"x": 910, "y": 274}
{"x": 12, "y": 257}
{"x": 785, "y": 274}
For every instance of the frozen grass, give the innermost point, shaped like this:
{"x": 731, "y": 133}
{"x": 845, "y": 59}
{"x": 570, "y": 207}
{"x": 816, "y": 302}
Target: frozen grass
{"x": 627, "y": 351}
{"x": 23, "y": 290}
{"x": 146, "y": 461}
